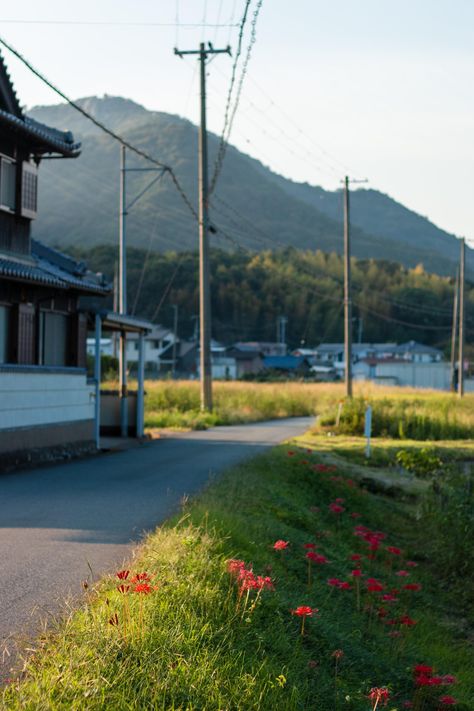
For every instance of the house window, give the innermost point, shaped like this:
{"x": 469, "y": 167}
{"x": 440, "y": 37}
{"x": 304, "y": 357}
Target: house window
{"x": 4, "y": 331}
{"x": 53, "y": 338}
{"x": 29, "y": 190}
{"x": 7, "y": 184}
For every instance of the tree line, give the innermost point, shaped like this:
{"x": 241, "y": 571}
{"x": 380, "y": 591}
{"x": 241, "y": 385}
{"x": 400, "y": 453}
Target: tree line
{"x": 250, "y": 291}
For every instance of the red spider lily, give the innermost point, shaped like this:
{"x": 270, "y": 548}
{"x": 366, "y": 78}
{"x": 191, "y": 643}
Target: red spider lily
{"x": 402, "y": 573}
{"x": 354, "y": 514}
{"x": 310, "y": 545}
{"x": 407, "y": 621}
{"x": 389, "y": 597}
{"x": 123, "y": 588}
{"x": 356, "y": 573}
{"x": 280, "y": 545}
{"x": 339, "y": 500}
{"x": 114, "y": 620}
{"x": 312, "y": 664}
{"x": 375, "y": 587}
{"x": 345, "y": 586}
{"x": 316, "y": 558}
{"x": 141, "y": 577}
{"x": 416, "y": 587}
{"x": 408, "y": 704}
{"x": 394, "y": 550}
{"x": 355, "y": 556}
{"x": 122, "y": 574}
{"x": 395, "y": 633}
{"x": 304, "y": 461}
{"x": 379, "y": 694}
{"x": 422, "y": 669}
{"x": 304, "y": 611}
{"x": 334, "y": 582}
{"x": 448, "y": 700}
{"x": 338, "y": 654}
{"x": 290, "y": 454}
{"x": 336, "y": 508}
{"x": 143, "y": 588}
{"x": 234, "y": 566}
{"x": 449, "y": 679}
{"x": 412, "y": 564}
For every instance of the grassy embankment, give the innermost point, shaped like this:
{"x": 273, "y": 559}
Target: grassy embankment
{"x": 192, "y": 643}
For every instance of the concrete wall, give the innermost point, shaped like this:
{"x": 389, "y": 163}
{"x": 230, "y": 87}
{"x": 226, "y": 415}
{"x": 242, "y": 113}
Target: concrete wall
{"x": 42, "y": 406}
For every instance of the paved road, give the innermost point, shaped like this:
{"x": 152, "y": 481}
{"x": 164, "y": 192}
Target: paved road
{"x": 56, "y": 521}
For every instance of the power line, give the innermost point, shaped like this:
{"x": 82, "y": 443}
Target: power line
{"x": 103, "y": 127}
{"x": 222, "y": 142}
{"x": 230, "y": 113}
{"x": 113, "y": 23}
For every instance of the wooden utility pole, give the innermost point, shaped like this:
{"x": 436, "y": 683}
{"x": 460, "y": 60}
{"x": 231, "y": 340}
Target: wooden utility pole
{"x": 454, "y": 333}
{"x": 347, "y": 292}
{"x": 348, "y": 286}
{"x": 204, "y": 280}
{"x": 461, "y": 319}
{"x": 123, "y": 394}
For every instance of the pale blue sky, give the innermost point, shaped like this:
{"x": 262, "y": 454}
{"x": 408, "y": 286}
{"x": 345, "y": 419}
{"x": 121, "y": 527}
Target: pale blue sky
{"x": 381, "y": 87}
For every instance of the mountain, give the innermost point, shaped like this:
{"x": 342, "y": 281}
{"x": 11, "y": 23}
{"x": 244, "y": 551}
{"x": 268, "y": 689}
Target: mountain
{"x": 252, "y": 206}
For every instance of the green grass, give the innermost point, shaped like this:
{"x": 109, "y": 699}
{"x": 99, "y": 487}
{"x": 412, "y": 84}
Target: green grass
{"x": 187, "y": 647}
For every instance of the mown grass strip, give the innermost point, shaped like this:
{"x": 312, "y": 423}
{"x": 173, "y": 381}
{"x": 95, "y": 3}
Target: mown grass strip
{"x": 186, "y": 645}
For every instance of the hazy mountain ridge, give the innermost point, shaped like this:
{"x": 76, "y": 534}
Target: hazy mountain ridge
{"x": 78, "y": 201}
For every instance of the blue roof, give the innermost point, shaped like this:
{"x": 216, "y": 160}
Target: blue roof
{"x": 288, "y": 362}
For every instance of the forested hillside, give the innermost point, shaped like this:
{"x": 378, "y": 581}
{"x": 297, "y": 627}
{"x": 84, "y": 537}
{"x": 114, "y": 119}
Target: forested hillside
{"x": 250, "y": 291}
{"x": 252, "y": 206}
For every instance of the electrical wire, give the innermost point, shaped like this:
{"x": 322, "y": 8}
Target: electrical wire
{"x": 222, "y": 141}
{"x": 102, "y": 126}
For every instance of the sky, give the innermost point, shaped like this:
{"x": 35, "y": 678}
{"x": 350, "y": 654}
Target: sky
{"x": 373, "y": 89}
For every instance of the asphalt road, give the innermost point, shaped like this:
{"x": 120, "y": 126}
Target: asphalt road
{"x": 58, "y": 523}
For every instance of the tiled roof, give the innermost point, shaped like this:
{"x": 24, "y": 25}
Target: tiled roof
{"x": 49, "y": 140}
{"x": 51, "y": 268}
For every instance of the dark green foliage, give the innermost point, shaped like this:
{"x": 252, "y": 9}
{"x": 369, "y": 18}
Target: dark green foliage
{"x": 250, "y": 291}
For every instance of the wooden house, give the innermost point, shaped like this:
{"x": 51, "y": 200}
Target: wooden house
{"x": 45, "y": 398}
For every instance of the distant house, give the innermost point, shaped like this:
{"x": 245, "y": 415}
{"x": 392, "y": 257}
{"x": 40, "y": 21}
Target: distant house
{"x": 249, "y": 360}
{"x": 288, "y": 364}
{"x": 333, "y": 353}
{"x": 45, "y": 398}
{"x": 418, "y": 353}
{"x": 267, "y": 348}
{"x": 158, "y": 349}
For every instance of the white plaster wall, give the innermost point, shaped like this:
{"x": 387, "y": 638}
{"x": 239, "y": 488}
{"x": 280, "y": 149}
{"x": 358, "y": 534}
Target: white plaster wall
{"x": 42, "y": 398}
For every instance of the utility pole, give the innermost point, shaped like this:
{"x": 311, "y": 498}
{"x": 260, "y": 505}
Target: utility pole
{"x": 347, "y": 292}
{"x": 454, "y": 333}
{"x": 123, "y": 298}
{"x": 347, "y": 287}
{"x": 461, "y": 319}
{"x": 204, "y": 285}
{"x": 175, "y": 333}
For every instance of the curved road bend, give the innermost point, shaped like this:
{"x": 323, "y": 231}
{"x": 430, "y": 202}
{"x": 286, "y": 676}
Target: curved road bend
{"x": 56, "y": 521}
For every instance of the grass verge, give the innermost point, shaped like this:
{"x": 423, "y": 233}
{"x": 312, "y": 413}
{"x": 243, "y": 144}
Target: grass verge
{"x": 191, "y": 642}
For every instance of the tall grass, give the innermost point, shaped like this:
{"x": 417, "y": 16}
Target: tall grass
{"x": 399, "y": 413}
{"x": 402, "y": 415}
